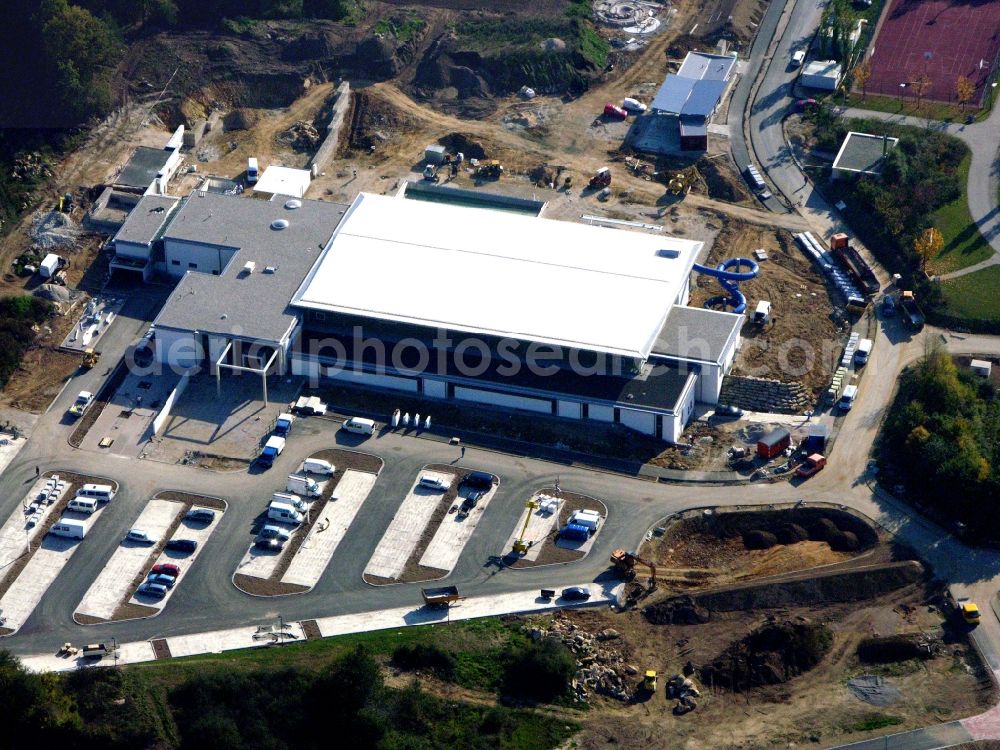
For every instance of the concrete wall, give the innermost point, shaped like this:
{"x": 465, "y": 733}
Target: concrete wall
{"x": 569, "y": 409}
{"x": 503, "y": 399}
{"x": 161, "y": 419}
{"x": 132, "y": 250}
{"x": 325, "y": 152}
{"x": 306, "y": 367}
{"x": 435, "y": 388}
{"x": 601, "y": 413}
{"x": 709, "y": 384}
{"x": 640, "y": 421}
{"x": 216, "y": 345}
{"x": 179, "y": 257}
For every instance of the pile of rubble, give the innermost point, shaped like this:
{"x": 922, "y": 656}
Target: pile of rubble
{"x": 302, "y": 136}
{"x": 600, "y": 660}
{"x": 51, "y": 230}
{"x": 29, "y": 166}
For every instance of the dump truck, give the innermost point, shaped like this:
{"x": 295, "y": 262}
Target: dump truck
{"x": 440, "y": 596}
{"x": 601, "y": 179}
{"x": 910, "y": 311}
{"x": 855, "y": 263}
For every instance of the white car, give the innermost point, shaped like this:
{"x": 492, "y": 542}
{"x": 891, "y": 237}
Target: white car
{"x": 83, "y": 401}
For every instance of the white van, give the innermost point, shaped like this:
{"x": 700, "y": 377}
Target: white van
{"x": 798, "y": 57}
{"x": 69, "y": 528}
{"x": 283, "y": 498}
{"x": 103, "y": 493}
{"x": 360, "y": 425}
{"x": 252, "y": 171}
{"x": 847, "y": 400}
{"x": 302, "y": 486}
{"x": 863, "y": 351}
{"x": 318, "y": 466}
{"x": 434, "y": 483}
{"x": 284, "y": 512}
{"x": 82, "y": 505}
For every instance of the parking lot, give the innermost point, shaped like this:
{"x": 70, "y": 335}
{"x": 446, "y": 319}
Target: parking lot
{"x": 129, "y": 560}
{"x": 400, "y": 541}
{"x": 455, "y": 531}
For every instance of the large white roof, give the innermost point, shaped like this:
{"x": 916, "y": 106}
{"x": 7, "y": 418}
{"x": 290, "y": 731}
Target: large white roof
{"x": 500, "y": 274}
{"x": 284, "y": 181}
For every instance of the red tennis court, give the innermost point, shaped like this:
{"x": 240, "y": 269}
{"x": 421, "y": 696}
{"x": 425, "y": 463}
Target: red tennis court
{"x": 943, "y": 38}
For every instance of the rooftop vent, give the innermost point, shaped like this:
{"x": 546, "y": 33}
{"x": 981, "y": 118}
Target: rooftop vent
{"x": 292, "y": 204}
{"x": 666, "y": 252}
{"x": 279, "y": 224}
{"x": 269, "y": 269}
{"x": 249, "y": 266}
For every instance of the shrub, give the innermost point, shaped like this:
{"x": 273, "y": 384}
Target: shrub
{"x": 843, "y": 541}
{"x": 790, "y": 533}
{"x": 757, "y": 539}
{"x": 539, "y": 671}
{"x": 822, "y": 530}
{"x": 425, "y": 656}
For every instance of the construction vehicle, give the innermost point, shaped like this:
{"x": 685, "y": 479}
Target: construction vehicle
{"x": 521, "y": 546}
{"x": 441, "y": 596}
{"x": 601, "y": 179}
{"x": 649, "y": 681}
{"x": 431, "y": 173}
{"x": 489, "y": 170}
{"x": 90, "y": 357}
{"x": 911, "y": 312}
{"x": 680, "y": 184}
{"x": 969, "y": 611}
{"x": 625, "y": 563}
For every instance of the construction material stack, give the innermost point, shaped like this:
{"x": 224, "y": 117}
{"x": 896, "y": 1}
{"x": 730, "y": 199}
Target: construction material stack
{"x": 855, "y": 264}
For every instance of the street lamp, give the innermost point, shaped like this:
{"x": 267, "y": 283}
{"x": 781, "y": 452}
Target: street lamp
{"x": 902, "y": 89}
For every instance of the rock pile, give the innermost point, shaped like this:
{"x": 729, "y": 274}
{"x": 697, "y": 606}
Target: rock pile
{"x": 765, "y": 395}
{"x": 601, "y": 660}
{"x": 301, "y": 136}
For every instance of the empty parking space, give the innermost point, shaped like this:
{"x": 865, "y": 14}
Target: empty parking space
{"x": 196, "y": 531}
{"x": 316, "y": 551}
{"x": 129, "y": 560}
{"x": 408, "y": 525}
{"x": 455, "y": 531}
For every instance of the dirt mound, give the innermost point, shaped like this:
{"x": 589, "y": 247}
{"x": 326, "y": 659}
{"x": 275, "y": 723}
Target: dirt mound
{"x": 770, "y": 655}
{"x": 51, "y": 230}
{"x": 460, "y": 142}
{"x": 721, "y": 182}
{"x": 375, "y": 121}
{"x": 309, "y": 46}
{"x": 681, "y": 610}
{"x": 894, "y": 648}
{"x": 757, "y": 539}
{"x": 792, "y": 524}
{"x": 791, "y": 533}
{"x": 240, "y": 119}
{"x": 844, "y": 541}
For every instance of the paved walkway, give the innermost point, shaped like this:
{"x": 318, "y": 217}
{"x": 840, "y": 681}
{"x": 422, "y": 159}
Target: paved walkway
{"x": 983, "y": 139}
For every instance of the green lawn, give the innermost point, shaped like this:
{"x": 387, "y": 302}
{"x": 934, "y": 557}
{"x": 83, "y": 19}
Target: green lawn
{"x": 963, "y": 243}
{"x": 975, "y": 296}
{"x": 908, "y": 107}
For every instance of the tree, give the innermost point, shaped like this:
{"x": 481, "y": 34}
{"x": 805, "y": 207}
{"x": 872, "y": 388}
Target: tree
{"x": 921, "y": 85}
{"x": 965, "y": 89}
{"x": 863, "y": 74}
{"x": 927, "y": 245}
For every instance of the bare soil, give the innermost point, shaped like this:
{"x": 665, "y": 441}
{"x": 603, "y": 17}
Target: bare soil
{"x": 161, "y": 649}
{"x": 266, "y": 586}
{"x": 311, "y": 630}
{"x": 802, "y": 343}
{"x": 551, "y": 553}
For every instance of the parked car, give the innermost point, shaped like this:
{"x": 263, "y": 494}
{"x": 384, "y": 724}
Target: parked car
{"x": 83, "y": 401}
{"x": 728, "y": 410}
{"x": 576, "y": 594}
{"x": 613, "y": 110}
{"x": 803, "y": 104}
{"x": 139, "y": 536}
{"x": 182, "y": 545}
{"x": 470, "y": 501}
{"x": 268, "y": 544}
{"x": 200, "y": 515}
{"x": 154, "y": 590}
{"x": 434, "y": 483}
{"x": 812, "y": 465}
{"x": 167, "y": 569}
{"x": 888, "y": 306}
{"x": 162, "y": 579}
{"x": 478, "y": 480}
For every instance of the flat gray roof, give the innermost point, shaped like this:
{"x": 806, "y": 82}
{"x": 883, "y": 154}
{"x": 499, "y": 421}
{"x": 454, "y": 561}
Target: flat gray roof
{"x": 707, "y": 67}
{"x": 147, "y": 219}
{"x": 236, "y": 303}
{"x": 695, "y": 333}
{"x": 142, "y": 167}
{"x": 861, "y": 152}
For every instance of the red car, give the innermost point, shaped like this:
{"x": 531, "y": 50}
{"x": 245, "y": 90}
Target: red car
{"x": 613, "y": 110}
{"x": 167, "y": 569}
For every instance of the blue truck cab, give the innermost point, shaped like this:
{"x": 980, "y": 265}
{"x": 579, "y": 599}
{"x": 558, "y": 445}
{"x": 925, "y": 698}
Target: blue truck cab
{"x": 283, "y": 425}
{"x": 272, "y": 449}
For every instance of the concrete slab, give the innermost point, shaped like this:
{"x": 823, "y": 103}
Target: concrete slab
{"x": 35, "y": 508}
{"x": 9, "y": 448}
{"x": 228, "y": 640}
{"x": 454, "y": 532}
{"x": 318, "y": 547}
{"x": 96, "y": 319}
{"x": 539, "y": 527}
{"x": 41, "y": 571}
{"x": 231, "y": 422}
{"x": 200, "y": 533}
{"x": 261, "y": 563}
{"x": 135, "y": 652}
{"x": 128, "y": 560}
{"x": 406, "y": 528}
{"x": 128, "y": 416}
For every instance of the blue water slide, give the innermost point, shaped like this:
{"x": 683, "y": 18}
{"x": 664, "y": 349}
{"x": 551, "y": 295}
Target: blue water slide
{"x": 730, "y": 274}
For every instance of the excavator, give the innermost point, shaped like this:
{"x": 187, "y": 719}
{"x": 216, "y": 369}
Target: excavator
{"x": 489, "y": 170}
{"x": 624, "y": 563}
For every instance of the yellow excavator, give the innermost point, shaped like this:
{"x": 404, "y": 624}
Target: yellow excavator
{"x": 90, "y": 357}
{"x": 680, "y": 184}
{"x": 624, "y": 563}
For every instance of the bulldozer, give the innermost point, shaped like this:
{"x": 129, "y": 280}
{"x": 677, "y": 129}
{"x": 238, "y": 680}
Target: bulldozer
{"x": 489, "y": 170}
{"x": 90, "y": 357}
{"x": 649, "y": 681}
{"x": 601, "y": 179}
{"x": 679, "y": 184}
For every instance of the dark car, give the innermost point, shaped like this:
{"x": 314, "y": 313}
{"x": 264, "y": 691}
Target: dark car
{"x": 182, "y": 545}
{"x": 200, "y": 515}
{"x": 167, "y": 569}
{"x": 576, "y": 594}
{"x": 154, "y": 590}
{"x": 270, "y": 545}
{"x": 728, "y": 410}
{"x": 163, "y": 579}
{"x": 470, "y": 501}
{"x": 478, "y": 480}
{"x": 889, "y": 306}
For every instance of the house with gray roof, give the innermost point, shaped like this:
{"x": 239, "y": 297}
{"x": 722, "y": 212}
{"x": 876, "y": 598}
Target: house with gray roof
{"x": 692, "y": 95}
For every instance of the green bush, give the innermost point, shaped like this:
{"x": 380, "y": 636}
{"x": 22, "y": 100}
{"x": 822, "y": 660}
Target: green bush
{"x": 425, "y": 656}
{"x": 540, "y": 671}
